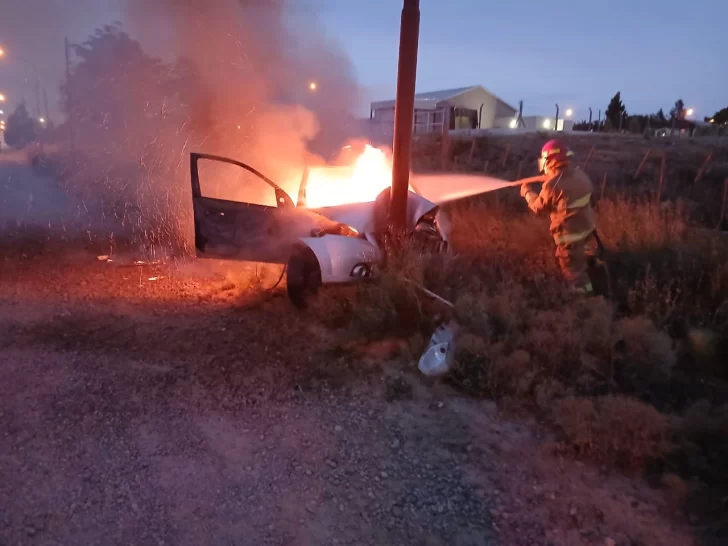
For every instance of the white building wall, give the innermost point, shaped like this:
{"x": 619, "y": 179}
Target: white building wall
{"x": 491, "y": 106}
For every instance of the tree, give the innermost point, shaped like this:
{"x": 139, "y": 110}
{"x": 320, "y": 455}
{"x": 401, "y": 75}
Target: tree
{"x": 126, "y": 110}
{"x": 116, "y": 87}
{"x": 615, "y": 111}
{"x": 21, "y": 129}
{"x": 678, "y": 111}
{"x": 660, "y": 116}
{"x": 720, "y": 117}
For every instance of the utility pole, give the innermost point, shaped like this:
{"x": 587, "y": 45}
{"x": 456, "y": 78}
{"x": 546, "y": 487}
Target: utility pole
{"x": 37, "y": 99}
{"x": 70, "y": 96}
{"x": 590, "y": 119}
{"x": 404, "y": 113}
{"x": 45, "y": 103}
{"x": 599, "y": 122}
{"x": 556, "y": 121}
{"x": 519, "y": 121}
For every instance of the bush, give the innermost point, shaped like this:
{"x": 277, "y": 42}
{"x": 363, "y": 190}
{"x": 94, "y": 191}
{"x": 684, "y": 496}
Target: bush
{"x": 613, "y": 429}
{"x": 648, "y": 352}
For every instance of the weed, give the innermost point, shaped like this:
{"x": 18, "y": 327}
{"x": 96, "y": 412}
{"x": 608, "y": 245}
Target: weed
{"x": 613, "y": 429}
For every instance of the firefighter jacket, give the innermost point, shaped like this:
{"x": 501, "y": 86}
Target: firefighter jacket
{"x": 566, "y": 196}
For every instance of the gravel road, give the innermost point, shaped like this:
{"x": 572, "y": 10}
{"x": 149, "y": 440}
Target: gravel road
{"x": 182, "y": 411}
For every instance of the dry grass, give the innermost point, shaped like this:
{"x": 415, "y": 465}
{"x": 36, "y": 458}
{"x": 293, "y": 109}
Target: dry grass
{"x": 606, "y": 373}
{"x": 613, "y": 429}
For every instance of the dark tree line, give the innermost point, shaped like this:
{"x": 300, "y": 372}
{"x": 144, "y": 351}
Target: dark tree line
{"x": 22, "y": 129}
{"x": 616, "y": 118}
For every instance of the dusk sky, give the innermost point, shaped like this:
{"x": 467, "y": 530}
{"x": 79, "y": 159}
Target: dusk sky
{"x": 575, "y": 53}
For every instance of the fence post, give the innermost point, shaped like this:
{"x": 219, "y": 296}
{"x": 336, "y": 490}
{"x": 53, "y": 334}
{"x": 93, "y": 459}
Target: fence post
{"x": 506, "y": 153}
{"x": 588, "y": 157}
{"x": 662, "y": 178}
{"x": 701, "y": 170}
{"x": 445, "y": 150}
{"x": 722, "y": 206}
{"x": 472, "y": 152}
{"x": 641, "y": 165}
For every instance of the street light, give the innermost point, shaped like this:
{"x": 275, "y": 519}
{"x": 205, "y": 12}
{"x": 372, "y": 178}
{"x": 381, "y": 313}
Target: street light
{"x": 569, "y": 111}
{"x": 2, "y": 97}
{"x": 313, "y": 86}
{"x": 32, "y": 66}
{"x": 42, "y": 120}
{"x": 690, "y": 112}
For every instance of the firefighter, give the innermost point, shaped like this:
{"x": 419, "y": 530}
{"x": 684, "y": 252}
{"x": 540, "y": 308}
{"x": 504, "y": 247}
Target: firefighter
{"x": 566, "y": 196}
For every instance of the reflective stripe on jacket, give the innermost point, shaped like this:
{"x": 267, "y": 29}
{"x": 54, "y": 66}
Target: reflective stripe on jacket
{"x": 567, "y": 198}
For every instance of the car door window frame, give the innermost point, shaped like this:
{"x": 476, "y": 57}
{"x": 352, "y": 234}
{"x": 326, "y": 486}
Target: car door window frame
{"x": 283, "y": 200}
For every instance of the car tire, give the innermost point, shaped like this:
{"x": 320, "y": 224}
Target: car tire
{"x": 303, "y": 275}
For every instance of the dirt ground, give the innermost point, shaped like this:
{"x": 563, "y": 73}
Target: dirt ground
{"x": 186, "y": 410}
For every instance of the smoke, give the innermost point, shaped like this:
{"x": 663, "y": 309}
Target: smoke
{"x": 242, "y": 71}
{"x": 254, "y": 61}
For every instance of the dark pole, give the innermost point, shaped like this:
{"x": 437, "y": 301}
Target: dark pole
{"x": 37, "y": 99}
{"x": 590, "y": 119}
{"x": 404, "y": 112}
{"x": 45, "y": 102}
{"x": 519, "y": 122}
{"x": 556, "y": 121}
{"x": 70, "y": 95}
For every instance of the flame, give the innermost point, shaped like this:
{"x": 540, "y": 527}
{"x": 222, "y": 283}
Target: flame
{"x": 361, "y": 182}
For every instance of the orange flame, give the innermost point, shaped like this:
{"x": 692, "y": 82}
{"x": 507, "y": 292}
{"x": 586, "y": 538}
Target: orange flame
{"x": 361, "y": 182}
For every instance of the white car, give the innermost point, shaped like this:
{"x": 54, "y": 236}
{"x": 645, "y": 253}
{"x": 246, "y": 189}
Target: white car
{"x": 336, "y": 244}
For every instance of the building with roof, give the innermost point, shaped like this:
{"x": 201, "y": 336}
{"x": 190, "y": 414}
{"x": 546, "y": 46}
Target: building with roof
{"x": 471, "y": 107}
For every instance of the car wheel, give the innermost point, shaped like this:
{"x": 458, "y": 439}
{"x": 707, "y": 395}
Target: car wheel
{"x": 303, "y": 275}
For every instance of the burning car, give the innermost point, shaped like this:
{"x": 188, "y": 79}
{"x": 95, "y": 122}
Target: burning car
{"x": 333, "y": 233}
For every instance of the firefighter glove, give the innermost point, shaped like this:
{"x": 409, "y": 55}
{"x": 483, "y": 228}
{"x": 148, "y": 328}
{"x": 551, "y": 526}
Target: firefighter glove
{"x": 525, "y": 189}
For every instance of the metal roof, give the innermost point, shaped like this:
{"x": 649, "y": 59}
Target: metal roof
{"x": 444, "y": 94}
{"x": 429, "y": 99}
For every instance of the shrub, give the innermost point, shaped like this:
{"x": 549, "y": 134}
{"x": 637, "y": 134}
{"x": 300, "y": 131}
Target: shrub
{"x": 648, "y": 352}
{"x": 613, "y": 429}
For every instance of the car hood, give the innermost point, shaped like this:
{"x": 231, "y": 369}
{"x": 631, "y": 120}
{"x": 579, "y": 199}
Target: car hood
{"x": 371, "y": 217}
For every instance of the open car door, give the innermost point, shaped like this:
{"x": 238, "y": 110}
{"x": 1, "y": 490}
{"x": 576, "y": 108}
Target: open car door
{"x": 239, "y": 214}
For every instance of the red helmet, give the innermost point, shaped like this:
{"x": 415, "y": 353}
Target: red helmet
{"x": 553, "y": 151}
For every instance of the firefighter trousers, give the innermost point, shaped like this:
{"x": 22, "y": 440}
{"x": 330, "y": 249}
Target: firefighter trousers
{"x": 572, "y": 260}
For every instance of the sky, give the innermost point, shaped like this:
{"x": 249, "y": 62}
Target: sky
{"x": 574, "y": 53}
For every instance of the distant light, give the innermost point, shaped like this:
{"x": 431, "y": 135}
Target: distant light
{"x": 238, "y": 126}
{"x": 2, "y": 113}
{"x": 313, "y": 86}
{"x": 711, "y": 119}
{"x": 546, "y": 123}
{"x": 42, "y": 120}
{"x": 2, "y": 97}
{"x": 690, "y": 112}
{"x": 2, "y": 52}
{"x": 514, "y": 123}
{"x": 569, "y": 112}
